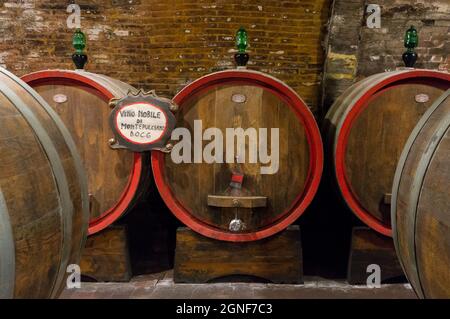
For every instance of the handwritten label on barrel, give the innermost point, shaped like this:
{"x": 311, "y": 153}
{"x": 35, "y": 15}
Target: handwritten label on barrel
{"x": 141, "y": 123}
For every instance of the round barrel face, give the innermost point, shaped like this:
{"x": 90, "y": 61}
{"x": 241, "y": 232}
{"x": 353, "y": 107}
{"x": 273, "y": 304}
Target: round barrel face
{"x": 377, "y": 138}
{"x": 228, "y": 108}
{"x": 81, "y": 101}
{"x": 193, "y": 182}
{"x": 367, "y": 130}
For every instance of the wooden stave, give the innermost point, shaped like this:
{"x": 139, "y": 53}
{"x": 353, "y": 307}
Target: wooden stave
{"x": 7, "y": 262}
{"x": 53, "y": 141}
{"x": 140, "y": 177}
{"x": 337, "y": 116}
{"x": 203, "y": 228}
{"x": 416, "y": 159}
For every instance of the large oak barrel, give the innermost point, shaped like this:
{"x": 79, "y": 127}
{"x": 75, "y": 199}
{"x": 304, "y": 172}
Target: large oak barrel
{"x": 116, "y": 178}
{"x": 44, "y": 206}
{"x": 421, "y": 203}
{"x": 267, "y": 203}
{"x": 366, "y": 129}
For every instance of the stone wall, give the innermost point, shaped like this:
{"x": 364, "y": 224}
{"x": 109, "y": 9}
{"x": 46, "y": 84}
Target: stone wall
{"x": 355, "y": 51}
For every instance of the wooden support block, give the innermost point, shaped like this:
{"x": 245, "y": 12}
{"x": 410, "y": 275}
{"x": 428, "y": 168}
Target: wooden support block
{"x": 106, "y": 256}
{"x": 369, "y": 247}
{"x": 237, "y": 201}
{"x": 387, "y": 198}
{"x": 276, "y": 259}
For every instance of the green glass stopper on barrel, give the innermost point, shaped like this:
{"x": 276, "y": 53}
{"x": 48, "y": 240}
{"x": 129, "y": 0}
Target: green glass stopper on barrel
{"x": 241, "y": 57}
{"x": 241, "y": 40}
{"x": 79, "y": 58}
{"x": 411, "y": 42}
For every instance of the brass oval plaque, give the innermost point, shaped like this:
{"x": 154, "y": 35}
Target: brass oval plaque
{"x": 238, "y": 98}
{"x": 422, "y": 98}
{"x": 60, "y": 98}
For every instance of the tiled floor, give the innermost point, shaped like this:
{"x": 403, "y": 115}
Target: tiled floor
{"x": 162, "y": 286}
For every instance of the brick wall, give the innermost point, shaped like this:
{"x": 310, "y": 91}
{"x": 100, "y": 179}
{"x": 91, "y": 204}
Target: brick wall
{"x": 165, "y": 44}
{"x": 355, "y": 51}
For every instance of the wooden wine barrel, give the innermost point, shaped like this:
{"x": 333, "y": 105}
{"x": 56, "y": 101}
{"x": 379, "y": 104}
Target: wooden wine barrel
{"x": 366, "y": 129}
{"x": 116, "y": 178}
{"x": 267, "y": 203}
{"x": 421, "y": 203}
{"x": 44, "y": 207}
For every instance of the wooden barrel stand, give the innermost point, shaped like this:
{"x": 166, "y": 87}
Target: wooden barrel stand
{"x": 367, "y": 248}
{"x": 277, "y": 259}
{"x": 106, "y": 256}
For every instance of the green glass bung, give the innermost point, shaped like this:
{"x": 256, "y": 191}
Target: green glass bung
{"x": 79, "y": 58}
{"x": 79, "y": 41}
{"x": 411, "y": 38}
{"x": 241, "y": 40}
{"x": 411, "y": 41}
